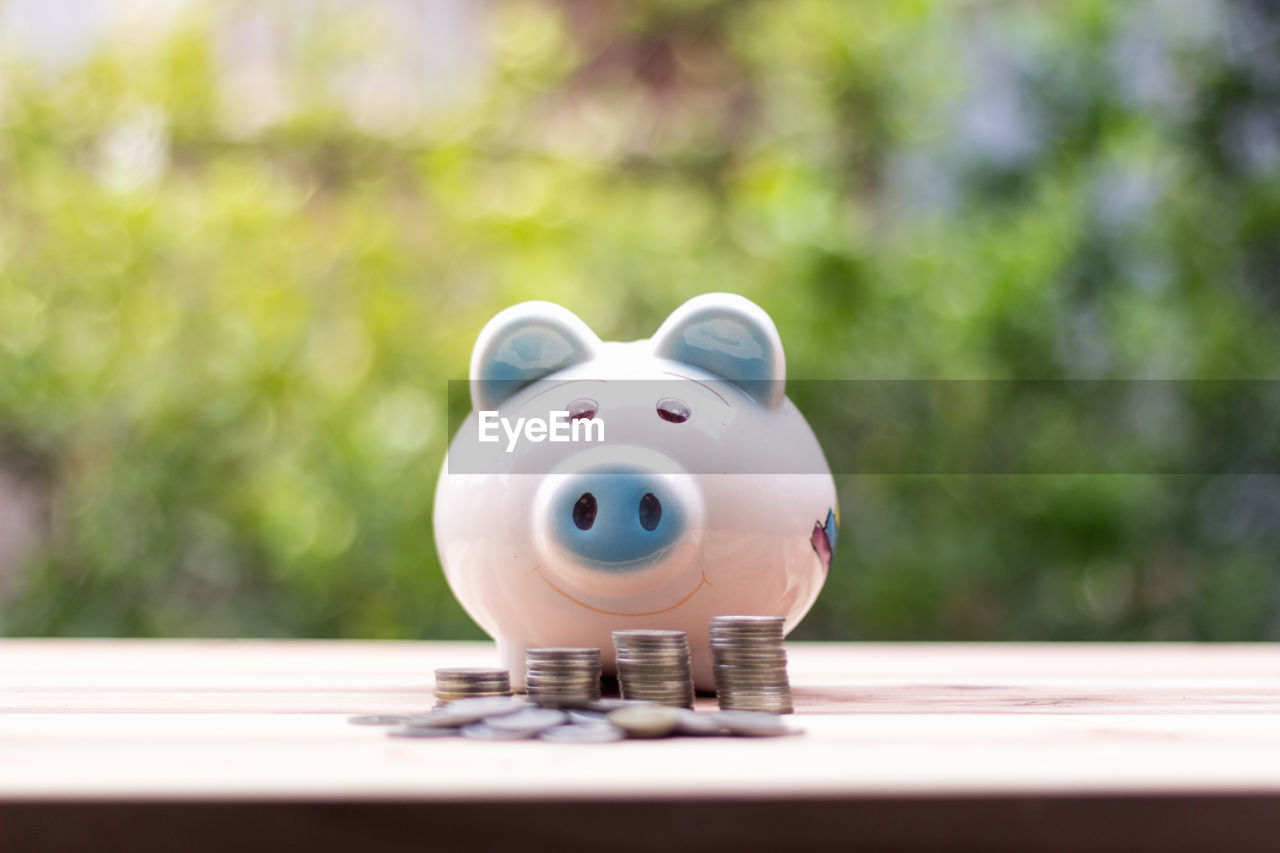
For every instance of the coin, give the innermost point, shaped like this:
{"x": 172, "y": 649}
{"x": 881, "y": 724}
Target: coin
{"x": 377, "y": 719}
{"x": 584, "y": 716}
{"x": 464, "y": 681}
{"x": 607, "y": 705}
{"x": 753, "y": 724}
{"x": 463, "y": 711}
{"x": 654, "y": 665}
{"x": 750, "y": 664}
{"x": 699, "y": 725}
{"x": 651, "y": 721}
{"x": 583, "y": 733}
{"x": 562, "y": 677}
{"x": 483, "y": 731}
{"x": 422, "y": 732}
{"x": 561, "y": 652}
{"x": 531, "y": 720}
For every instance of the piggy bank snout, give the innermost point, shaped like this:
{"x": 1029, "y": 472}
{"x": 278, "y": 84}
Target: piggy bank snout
{"x": 619, "y": 518}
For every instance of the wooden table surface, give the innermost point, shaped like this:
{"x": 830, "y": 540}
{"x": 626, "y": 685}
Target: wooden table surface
{"x": 907, "y": 746}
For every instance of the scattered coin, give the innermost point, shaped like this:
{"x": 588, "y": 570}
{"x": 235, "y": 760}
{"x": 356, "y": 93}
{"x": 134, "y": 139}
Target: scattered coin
{"x": 654, "y": 677}
{"x": 460, "y": 712}
{"x": 753, "y": 724}
{"x": 646, "y": 721}
{"x": 607, "y": 705}
{"x": 578, "y": 715}
{"x": 422, "y": 732}
{"x": 378, "y": 719}
{"x": 699, "y": 725}
{"x": 583, "y": 733}
{"x": 530, "y": 720}
{"x": 483, "y": 731}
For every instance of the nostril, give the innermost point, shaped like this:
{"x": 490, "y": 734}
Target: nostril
{"x": 650, "y": 511}
{"x": 584, "y": 511}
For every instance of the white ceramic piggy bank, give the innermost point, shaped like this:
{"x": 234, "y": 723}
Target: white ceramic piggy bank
{"x": 695, "y": 488}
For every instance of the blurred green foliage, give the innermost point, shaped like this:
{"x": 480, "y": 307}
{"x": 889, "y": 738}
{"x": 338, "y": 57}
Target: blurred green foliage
{"x": 226, "y": 327}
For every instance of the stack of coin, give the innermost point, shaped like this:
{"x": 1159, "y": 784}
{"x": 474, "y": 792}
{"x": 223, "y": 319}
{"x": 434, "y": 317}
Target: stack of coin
{"x": 465, "y": 682}
{"x": 562, "y": 677}
{"x": 654, "y": 666}
{"x": 750, "y": 664}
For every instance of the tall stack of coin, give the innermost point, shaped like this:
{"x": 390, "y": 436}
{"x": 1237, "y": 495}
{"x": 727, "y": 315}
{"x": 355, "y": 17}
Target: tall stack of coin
{"x": 654, "y": 666}
{"x": 563, "y": 676}
{"x": 465, "y": 682}
{"x": 751, "y": 664}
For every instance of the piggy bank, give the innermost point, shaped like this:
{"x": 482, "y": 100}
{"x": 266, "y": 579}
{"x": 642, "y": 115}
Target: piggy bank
{"x": 598, "y": 486}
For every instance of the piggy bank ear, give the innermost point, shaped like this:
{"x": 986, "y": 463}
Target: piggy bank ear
{"x": 730, "y": 336}
{"x": 523, "y": 344}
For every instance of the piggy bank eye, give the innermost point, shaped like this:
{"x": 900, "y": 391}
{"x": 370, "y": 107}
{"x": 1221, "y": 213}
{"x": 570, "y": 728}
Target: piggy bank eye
{"x": 582, "y": 410}
{"x": 673, "y": 410}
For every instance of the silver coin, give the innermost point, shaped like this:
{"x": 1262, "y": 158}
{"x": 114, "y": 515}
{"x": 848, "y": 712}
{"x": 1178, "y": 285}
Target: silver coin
{"x": 551, "y": 685}
{"x": 774, "y": 704}
{"x": 646, "y": 722}
{"x": 483, "y": 731}
{"x": 751, "y": 677}
{"x": 647, "y": 634}
{"x": 607, "y": 705}
{"x": 583, "y": 733}
{"x": 699, "y": 725}
{"x": 586, "y": 692}
{"x": 750, "y": 665}
{"x": 378, "y": 719}
{"x": 640, "y": 656}
{"x": 464, "y": 711}
{"x": 472, "y": 672}
{"x": 584, "y": 671}
{"x": 751, "y": 660}
{"x": 651, "y": 662}
{"x": 422, "y": 732}
{"x": 575, "y": 699}
{"x": 771, "y": 692}
{"x": 637, "y": 685}
{"x": 579, "y": 715}
{"x": 753, "y": 724}
{"x": 670, "y": 701}
{"x": 440, "y": 718}
{"x": 531, "y": 720}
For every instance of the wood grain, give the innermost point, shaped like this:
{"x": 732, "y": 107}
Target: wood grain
{"x": 146, "y": 723}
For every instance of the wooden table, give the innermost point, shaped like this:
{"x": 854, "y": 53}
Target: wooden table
{"x": 213, "y": 744}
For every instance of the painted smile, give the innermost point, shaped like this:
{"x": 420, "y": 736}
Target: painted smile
{"x": 701, "y": 583}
